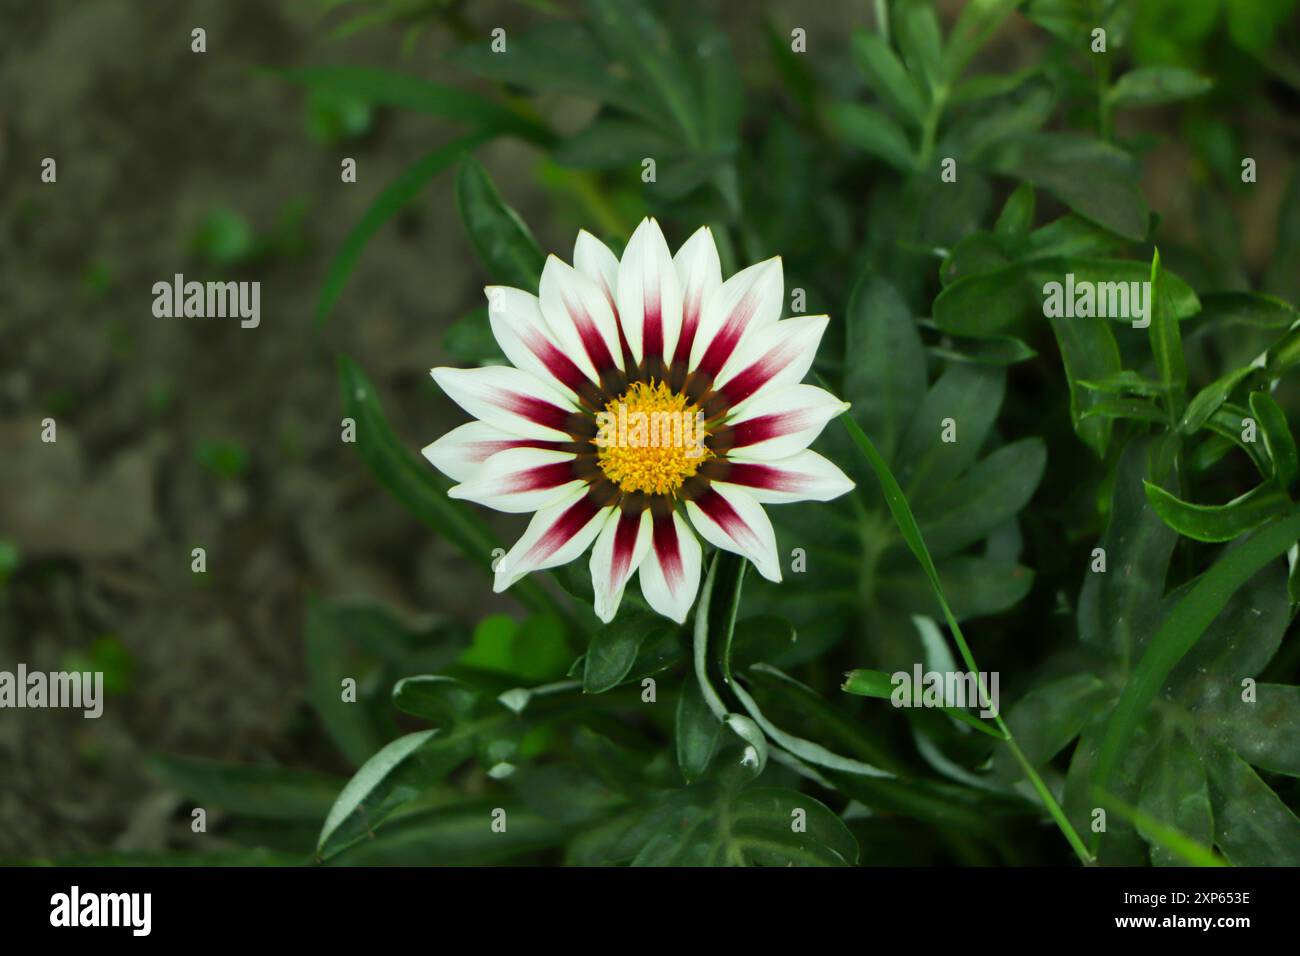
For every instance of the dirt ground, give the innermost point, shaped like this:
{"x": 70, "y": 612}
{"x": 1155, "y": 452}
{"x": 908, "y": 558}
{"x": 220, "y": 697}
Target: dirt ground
{"x": 180, "y": 433}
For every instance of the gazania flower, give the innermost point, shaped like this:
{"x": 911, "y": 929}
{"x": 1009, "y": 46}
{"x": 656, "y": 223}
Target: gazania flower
{"x": 647, "y": 398}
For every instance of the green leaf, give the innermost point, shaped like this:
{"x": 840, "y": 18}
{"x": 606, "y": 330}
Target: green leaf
{"x": 369, "y": 780}
{"x": 1137, "y": 409}
{"x": 888, "y": 77}
{"x": 975, "y": 586}
{"x": 616, "y": 646}
{"x": 1166, "y": 342}
{"x": 435, "y": 697}
{"x": 1016, "y": 220}
{"x": 1174, "y": 793}
{"x": 1278, "y": 440}
{"x": 1250, "y": 309}
{"x": 531, "y": 652}
{"x": 917, "y": 30}
{"x": 1157, "y": 85}
{"x": 698, "y": 732}
{"x": 885, "y": 380}
{"x": 394, "y": 198}
{"x": 1095, "y": 179}
{"x": 1253, "y": 827}
{"x": 630, "y": 31}
{"x": 868, "y": 683}
{"x": 1121, "y": 605}
{"x": 265, "y": 793}
{"x": 991, "y": 302}
{"x": 1265, "y": 731}
{"x": 502, "y": 241}
{"x": 706, "y": 825}
{"x": 1209, "y": 399}
{"x": 1088, "y": 352}
{"x": 1218, "y": 522}
{"x": 456, "y": 835}
{"x": 1046, "y": 719}
{"x": 612, "y": 142}
{"x": 969, "y": 396}
{"x": 385, "y": 88}
{"x": 557, "y": 57}
{"x": 1181, "y": 630}
{"x": 991, "y": 493}
{"x": 874, "y": 132}
{"x": 975, "y": 26}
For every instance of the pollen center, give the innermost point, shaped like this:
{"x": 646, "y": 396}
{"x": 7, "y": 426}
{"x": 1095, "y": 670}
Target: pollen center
{"x": 650, "y": 439}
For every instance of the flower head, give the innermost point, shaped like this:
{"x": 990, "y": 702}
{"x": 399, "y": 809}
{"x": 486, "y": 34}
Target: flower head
{"x": 646, "y": 397}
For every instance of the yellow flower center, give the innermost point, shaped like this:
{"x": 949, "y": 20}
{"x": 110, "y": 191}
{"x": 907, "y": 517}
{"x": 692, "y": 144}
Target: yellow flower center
{"x": 650, "y": 439}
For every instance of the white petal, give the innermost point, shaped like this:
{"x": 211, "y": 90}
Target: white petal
{"x": 520, "y": 480}
{"x": 728, "y": 517}
{"x": 461, "y": 452}
{"x": 649, "y": 294}
{"x": 747, "y": 302}
{"x": 619, "y": 551}
{"x": 594, "y": 259}
{"x": 699, "y": 272}
{"x": 579, "y": 315}
{"x": 782, "y": 421}
{"x": 804, "y": 476}
{"x": 670, "y": 573}
{"x": 557, "y": 534}
{"x": 509, "y": 398}
{"x": 529, "y": 343}
{"x": 772, "y": 358}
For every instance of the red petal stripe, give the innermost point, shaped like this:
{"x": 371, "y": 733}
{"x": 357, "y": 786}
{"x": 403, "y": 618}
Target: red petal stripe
{"x": 625, "y": 536}
{"x": 573, "y": 520}
{"x": 724, "y": 343}
{"x": 759, "y": 374}
{"x": 668, "y": 550}
{"x": 592, "y": 341}
{"x": 719, "y": 509}
{"x": 541, "y": 476}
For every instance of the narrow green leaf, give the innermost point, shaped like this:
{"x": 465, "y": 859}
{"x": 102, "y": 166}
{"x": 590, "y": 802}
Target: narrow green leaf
{"x": 1095, "y": 179}
{"x": 888, "y": 77}
{"x": 1016, "y": 220}
{"x": 885, "y": 380}
{"x": 874, "y": 132}
{"x": 1166, "y": 342}
{"x": 394, "y": 197}
{"x": 385, "y": 88}
{"x": 1218, "y": 522}
{"x": 368, "y": 778}
{"x": 1157, "y": 85}
{"x": 266, "y": 793}
{"x": 1278, "y": 440}
{"x": 502, "y": 241}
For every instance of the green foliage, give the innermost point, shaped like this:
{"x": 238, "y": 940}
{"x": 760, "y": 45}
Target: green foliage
{"x": 1102, "y": 506}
